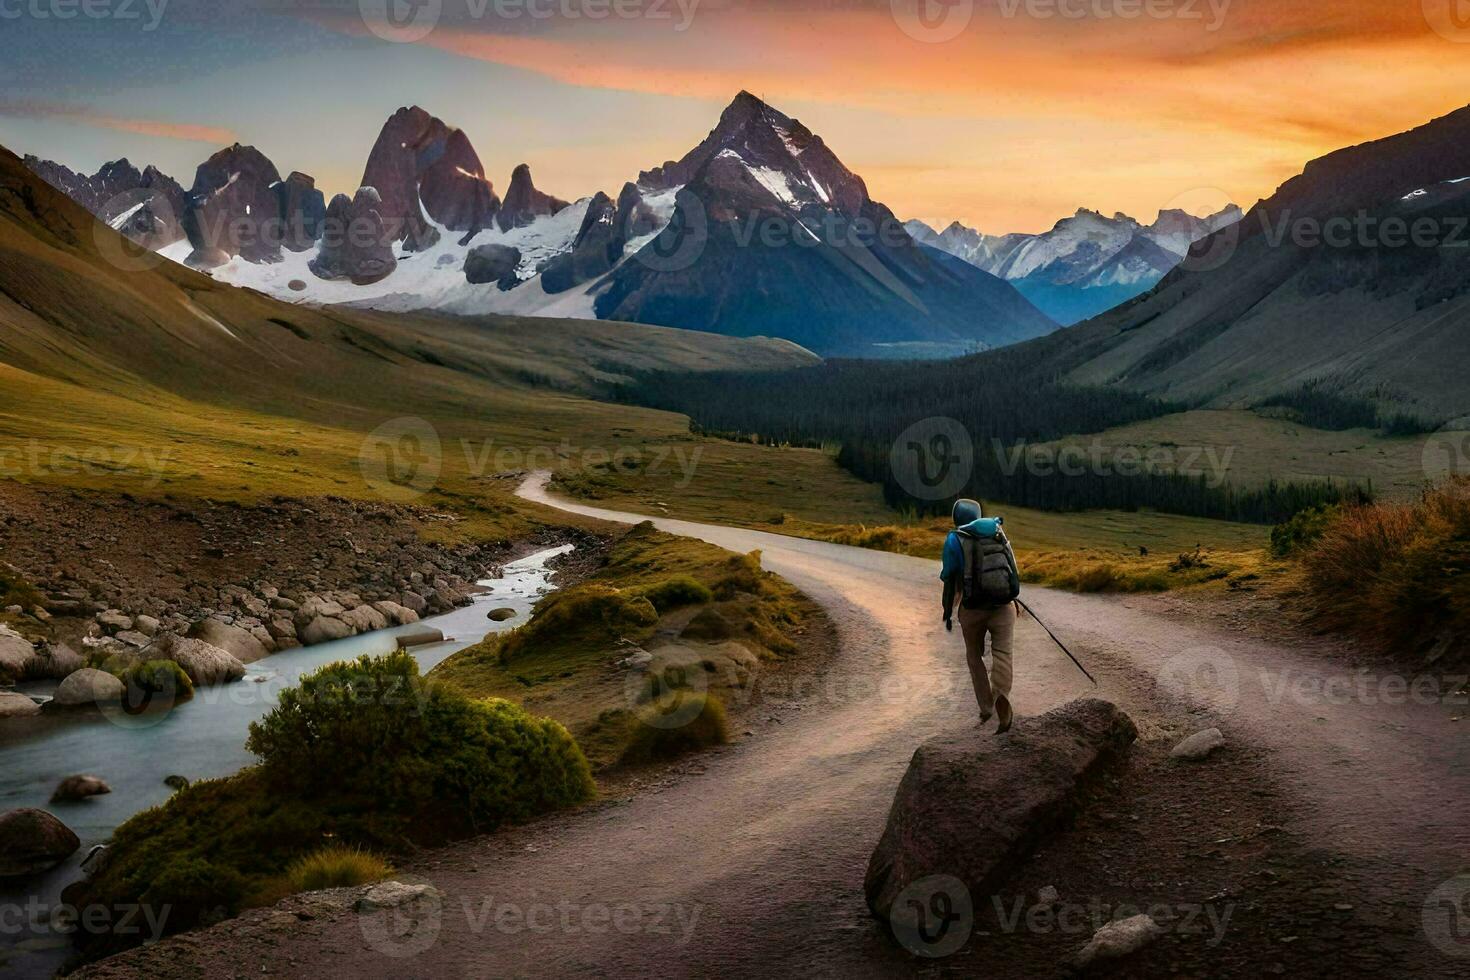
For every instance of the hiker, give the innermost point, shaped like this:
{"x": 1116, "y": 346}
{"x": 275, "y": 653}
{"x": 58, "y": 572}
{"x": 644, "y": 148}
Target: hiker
{"x": 980, "y": 576}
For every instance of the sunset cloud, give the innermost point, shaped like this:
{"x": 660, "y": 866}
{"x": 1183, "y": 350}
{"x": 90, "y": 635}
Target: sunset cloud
{"x": 161, "y": 129}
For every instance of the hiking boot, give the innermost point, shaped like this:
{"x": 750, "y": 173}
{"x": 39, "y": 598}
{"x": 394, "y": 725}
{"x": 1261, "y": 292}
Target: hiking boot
{"x": 1003, "y": 708}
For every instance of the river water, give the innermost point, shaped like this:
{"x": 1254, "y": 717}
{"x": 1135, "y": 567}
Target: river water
{"x": 199, "y": 739}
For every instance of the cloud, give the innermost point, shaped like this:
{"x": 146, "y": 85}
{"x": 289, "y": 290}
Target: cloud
{"x": 159, "y": 128}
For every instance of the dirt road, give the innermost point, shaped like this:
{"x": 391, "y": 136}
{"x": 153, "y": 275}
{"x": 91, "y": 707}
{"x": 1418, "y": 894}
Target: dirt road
{"x": 1323, "y": 828}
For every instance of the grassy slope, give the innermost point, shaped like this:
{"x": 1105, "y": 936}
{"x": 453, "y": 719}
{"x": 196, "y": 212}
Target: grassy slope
{"x": 172, "y": 383}
{"x": 709, "y": 639}
{"x": 1258, "y": 448}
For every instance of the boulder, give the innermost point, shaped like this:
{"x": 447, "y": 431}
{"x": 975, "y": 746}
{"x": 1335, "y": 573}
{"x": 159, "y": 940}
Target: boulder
{"x": 204, "y": 662}
{"x": 415, "y": 602}
{"x": 492, "y": 263}
{"x": 313, "y": 606}
{"x": 16, "y": 705}
{"x": 975, "y": 805}
{"x": 1118, "y": 939}
{"x": 89, "y": 686}
{"x": 282, "y": 629}
{"x": 324, "y": 629}
{"x": 398, "y": 615}
{"x": 54, "y": 662}
{"x": 147, "y": 625}
{"x": 1199, "y": 745}
{"x": 237, "y": 642}
{"x": 74, "y": 788}
{"x": 114, "y": 621}
{"x": 356, "y": 243}
{"x": 393, "y": 894}
{"x": 15, "y": 655}
{"x": 133, "y": 639}
{"x": 501, "y": 615}
{"x": 33, "y": 841}
{"x": 365, "y": 619}
{"x": 419, "y": 636}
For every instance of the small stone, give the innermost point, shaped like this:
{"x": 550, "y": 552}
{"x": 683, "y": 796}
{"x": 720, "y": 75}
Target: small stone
{"x": 1118, "y": 939}
{"x": 1199, "y": 745}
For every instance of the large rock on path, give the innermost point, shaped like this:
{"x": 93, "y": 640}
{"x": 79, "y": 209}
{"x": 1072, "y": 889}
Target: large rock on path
{"x": 974, "y": 805}
{"x": 32, "y": 841}
{"x": 235, "y": 641}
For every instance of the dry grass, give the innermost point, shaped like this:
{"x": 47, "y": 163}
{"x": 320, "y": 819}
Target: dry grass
{"x": 336, "y": 866}
{"x": 1399, "y": 573}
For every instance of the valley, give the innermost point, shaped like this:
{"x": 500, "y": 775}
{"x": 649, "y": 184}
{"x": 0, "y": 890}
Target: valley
{"x": 406, "y": 563}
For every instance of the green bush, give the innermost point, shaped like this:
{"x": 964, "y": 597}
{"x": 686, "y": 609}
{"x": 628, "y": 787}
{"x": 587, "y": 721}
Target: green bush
{"x": 161, "y": 680}
{"x": 362, "y": 754}
{"x": 584, "y": 617}
{"x": 681, "y": 590}
{"x": 1304, "y": 528}
{"x": 655, "y": 743}
{"x": 416, "y": 758}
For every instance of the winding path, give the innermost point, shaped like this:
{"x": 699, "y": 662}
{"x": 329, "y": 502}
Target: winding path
{"x": 754, "y": 863}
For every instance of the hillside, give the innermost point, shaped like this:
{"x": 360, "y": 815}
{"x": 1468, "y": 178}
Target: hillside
{"x": 1320, "y": 285}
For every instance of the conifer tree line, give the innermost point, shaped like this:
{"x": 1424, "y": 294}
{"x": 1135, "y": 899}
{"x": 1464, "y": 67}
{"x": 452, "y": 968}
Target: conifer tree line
{"x": 1000, "y": 401}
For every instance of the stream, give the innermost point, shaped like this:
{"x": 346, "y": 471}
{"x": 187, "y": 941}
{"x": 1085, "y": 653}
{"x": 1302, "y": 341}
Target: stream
{"x": 201, "y": 738}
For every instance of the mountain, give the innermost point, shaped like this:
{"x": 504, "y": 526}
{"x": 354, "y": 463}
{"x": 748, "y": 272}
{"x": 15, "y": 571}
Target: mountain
{"x": 772, "y": 234}
{"x": 1321, "y": 289}
{"x": 82, "y": 306}
{"x": 1087, "y": 263}
{"x": 146, "y": 205}
{"x": 759, "y": 230}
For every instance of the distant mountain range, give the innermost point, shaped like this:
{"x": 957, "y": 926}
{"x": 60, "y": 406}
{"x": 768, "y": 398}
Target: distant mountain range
{"x": 1352, "y": 281}
{"x": 760, "y": 230}
{"x": 1086, "y": 264}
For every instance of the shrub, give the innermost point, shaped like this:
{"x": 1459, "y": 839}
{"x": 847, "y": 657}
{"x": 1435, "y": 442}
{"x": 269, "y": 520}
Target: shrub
{"x": 681, "y": 590}
{"x": 413, "y": 758}
{"x": 741, "y": 573}
{"x": 1400, "y": 574}
{"x": 336, "y": 866}
{"x": 160, "y": 680}
{"x": 586, "y": 616}
{"x": 363, "y": 753}
{"x": 1304, "y": 528}
{"x": 654, "y": 743}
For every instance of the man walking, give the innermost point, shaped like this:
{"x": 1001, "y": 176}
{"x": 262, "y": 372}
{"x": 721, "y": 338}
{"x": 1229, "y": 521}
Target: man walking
{"x": 981, "y": 578}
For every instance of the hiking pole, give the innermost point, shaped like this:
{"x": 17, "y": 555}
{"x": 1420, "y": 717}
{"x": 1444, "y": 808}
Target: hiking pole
{"x": 1058, "y": 642}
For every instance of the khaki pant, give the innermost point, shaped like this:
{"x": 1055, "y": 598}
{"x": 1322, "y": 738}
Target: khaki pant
{"x": 1001, "y": 625}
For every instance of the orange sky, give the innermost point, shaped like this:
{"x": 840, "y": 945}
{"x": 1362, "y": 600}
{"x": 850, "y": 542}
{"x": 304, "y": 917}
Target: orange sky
{"x": 1022, "y": 114}
{"x": 1026, "y": 116}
